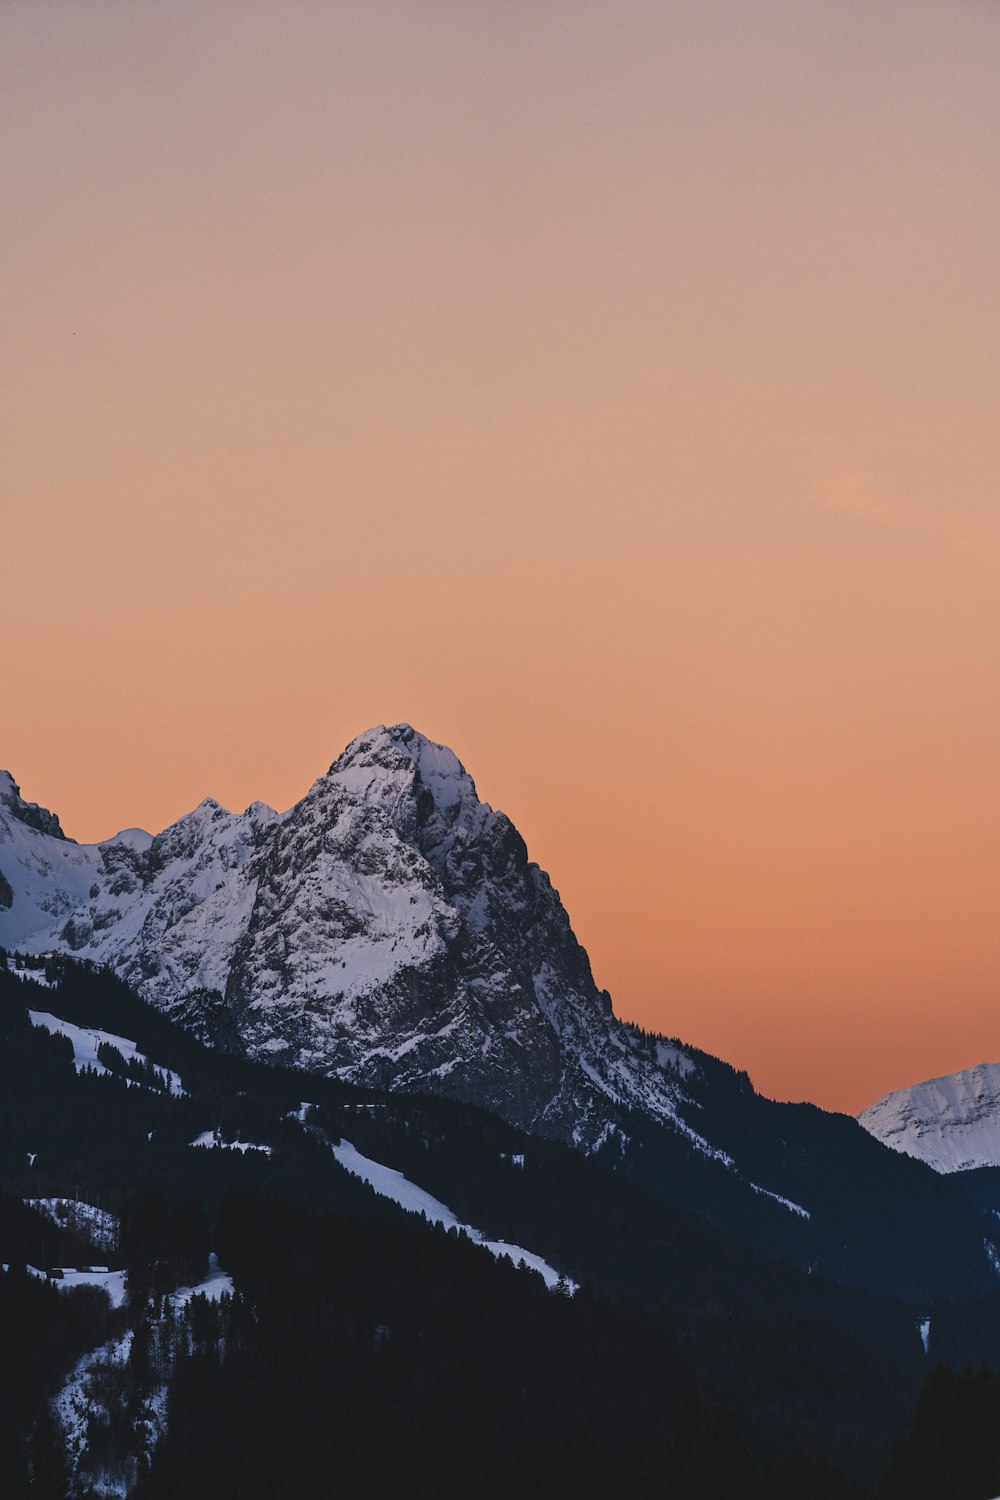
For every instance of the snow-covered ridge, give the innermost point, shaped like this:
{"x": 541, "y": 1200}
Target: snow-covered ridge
{"x": 95, "y": 1224}
{"x": 389, "y": 1183}
{"x": 87, "y": 1042}
{"x": 951, "y": 1123}
{"x": 389, "y": 929}
{"x": 28, "y": 813}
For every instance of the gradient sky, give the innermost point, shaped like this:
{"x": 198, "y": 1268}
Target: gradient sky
{"x": 610, "y": 390}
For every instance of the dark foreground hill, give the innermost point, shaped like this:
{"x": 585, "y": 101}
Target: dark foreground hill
{"x": 357, "y": 1349}
{"x": 390, "y": 931}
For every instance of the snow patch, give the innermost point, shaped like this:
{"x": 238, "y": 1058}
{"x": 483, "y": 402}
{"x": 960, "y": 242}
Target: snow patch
{"x": 94, "y": 1224}
{"x": 87, "y": 1042}
{"x": 76, "y": 1402}
{"x": 794, "y": 1208}
{"x": 217, "y": 1284}
{"x": 210, "y": 1139}
{"x": 388, "y": 1183}
{"x": 112, "y": 1282}
{"x": 33, "y": 976}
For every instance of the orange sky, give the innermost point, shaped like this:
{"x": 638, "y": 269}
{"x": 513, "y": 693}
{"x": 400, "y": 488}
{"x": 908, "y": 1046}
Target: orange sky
{"x": 611, "y": 390}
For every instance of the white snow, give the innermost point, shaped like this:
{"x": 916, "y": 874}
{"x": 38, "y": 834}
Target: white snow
{"x": 33, "y": 976}
{"x": 132, "y": 838}
{"x": 794, "y": 1208}
{"x": 50, "y": 876}
{"x": 189, "y": 908}
{"x": 90, "y": 1396}
{"x": 360, "y": 904}
{"x": 674, "y": 1059}
{"x": 96, "y": 1224}
{"x": 75, "y": 1404}
{"x": 389, "y": 1183}
{"x": 951, "y": 1123}
{"x": 112, "y": 1282}
{"x": 87, "y": 1041}
{"x": 210, "y": 1139}
{"x": 217, "y": 1284}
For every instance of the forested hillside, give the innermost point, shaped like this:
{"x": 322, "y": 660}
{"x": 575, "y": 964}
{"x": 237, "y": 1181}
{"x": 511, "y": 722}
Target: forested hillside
{"x": 259, "y": 1308}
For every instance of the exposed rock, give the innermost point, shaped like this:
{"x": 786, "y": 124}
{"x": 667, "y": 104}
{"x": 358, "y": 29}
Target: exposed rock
{"x": 389, "y": 929}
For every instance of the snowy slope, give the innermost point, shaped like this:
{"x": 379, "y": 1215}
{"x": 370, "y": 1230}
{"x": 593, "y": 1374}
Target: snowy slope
{"x": 389, "y": 929}
{"x": 43, "y": 876}
{"x": 216, "y": 1284}
{"x": 86, "y": 1043}
{"x": 95, "y": 1224}
{"x": 389, "y": 1183}
{"x": 112, "y": 1282}
{"x": 951, "y": 1123}
{"x": 211, "y": 1140}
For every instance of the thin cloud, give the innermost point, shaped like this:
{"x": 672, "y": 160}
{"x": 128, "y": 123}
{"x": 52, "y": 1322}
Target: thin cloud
{"x": 854, "y": 493}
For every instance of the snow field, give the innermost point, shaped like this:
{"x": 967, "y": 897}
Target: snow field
{"x": 87, "y": 1041}
{"x": 389, "y": 1183}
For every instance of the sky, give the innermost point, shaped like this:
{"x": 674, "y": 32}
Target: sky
{"x": 610, "y": 391}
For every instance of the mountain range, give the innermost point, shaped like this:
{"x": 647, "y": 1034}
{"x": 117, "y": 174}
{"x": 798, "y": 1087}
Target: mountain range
{"x": 390, "y": 931}
{"x": 361, "y": 1147}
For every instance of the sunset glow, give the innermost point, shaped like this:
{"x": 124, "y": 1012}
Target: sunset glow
{"x": 609, "y": 391}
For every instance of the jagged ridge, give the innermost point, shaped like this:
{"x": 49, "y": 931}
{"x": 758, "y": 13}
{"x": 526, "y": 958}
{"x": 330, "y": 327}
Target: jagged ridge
{"x": 389, "y": 929}
{"x": 951, "y": 1123}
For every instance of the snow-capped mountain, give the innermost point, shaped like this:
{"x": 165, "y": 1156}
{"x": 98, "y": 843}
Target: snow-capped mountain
{"x": 951, "y": 1123}
{"x": 43, "y": 875}
{"x": 389, "y": 929}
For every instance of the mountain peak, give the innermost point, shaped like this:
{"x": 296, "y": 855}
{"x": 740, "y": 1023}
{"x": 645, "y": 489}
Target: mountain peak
{"x": 389, "y": 929}
{"x": 136, "y": 839}
{"x": 28, "y": 813}
{"x": 400, "y": 747}
{"x": 950, "y": 1123}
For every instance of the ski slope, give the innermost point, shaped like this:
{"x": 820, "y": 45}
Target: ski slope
{"x": 389, "y": 1183}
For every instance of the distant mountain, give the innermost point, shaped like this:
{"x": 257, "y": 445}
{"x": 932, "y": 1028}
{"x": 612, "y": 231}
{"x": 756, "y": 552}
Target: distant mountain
{"x": 390, "y": 931}
{"x": 951, "y": 1123}
{"x": 182, "y": 1169}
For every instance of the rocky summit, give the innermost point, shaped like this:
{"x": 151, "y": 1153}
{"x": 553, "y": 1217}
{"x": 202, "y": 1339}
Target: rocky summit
{"x": 951, "y": 1123}
{"x": 389, "y": 929}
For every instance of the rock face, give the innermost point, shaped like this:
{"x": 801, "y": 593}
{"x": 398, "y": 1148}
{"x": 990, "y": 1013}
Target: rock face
{"x": 45, "y": 876}
{"x": 389, "y": 929}
{"x": 28, "y": 813}
{"x": 951, "y": 1123}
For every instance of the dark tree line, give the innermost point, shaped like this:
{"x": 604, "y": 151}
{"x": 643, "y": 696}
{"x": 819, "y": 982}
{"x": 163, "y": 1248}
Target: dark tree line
{"x": 366, "y": 1354}
{"x": 953, "y": 1448}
